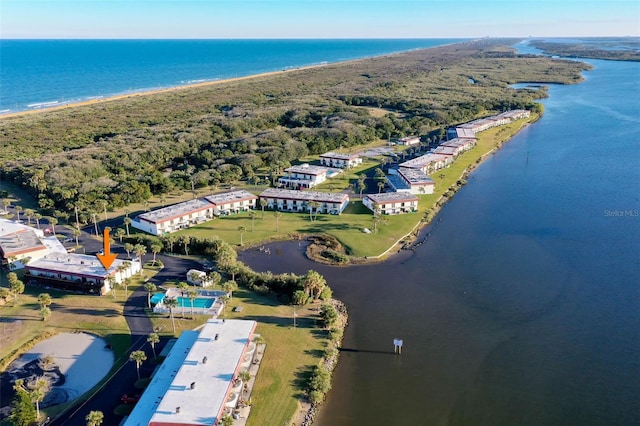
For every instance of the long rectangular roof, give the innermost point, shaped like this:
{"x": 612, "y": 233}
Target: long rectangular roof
{"x": 307, "y": 169}
{"x": 415, "y": 176}
{"x": 74, "y": 264}
{"x": 230, "y": 197}
{"x": 391, "y": 197}
{"x": 192, "y": 383}
{"x": 175, "y": 211}
{"x": 339, "y": 156}
{"x": 21, "y": 241}
{"x": 423, "y": 160}
{"x": 292, "y": 194}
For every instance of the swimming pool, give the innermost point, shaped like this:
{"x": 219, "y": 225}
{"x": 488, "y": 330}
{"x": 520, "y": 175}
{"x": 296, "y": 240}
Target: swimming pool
{"x": 198, "y": 302}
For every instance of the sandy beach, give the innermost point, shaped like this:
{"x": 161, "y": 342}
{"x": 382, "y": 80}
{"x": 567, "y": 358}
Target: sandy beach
{"x": 151, "y": 92}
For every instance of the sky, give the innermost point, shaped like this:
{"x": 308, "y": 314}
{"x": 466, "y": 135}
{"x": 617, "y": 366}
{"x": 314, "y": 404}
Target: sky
{"x": 317, "y": 18}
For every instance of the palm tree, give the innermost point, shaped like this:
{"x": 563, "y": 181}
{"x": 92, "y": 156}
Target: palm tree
{"x": 252, "y": 215}
{"x": 127, "y": 221}
{"x": 39, "y": 389}
{"x": 140, "y": 250}
{"x": 183, "y": 287}
{"x": 263, "y": 204}
{"x": 380, "y": 186}
{"x": 18, "y": 209}
{"x": 153, "y": 339}
{"x": 185, "y": 240}
{"x": 277, "y": 215}
{"x": 16, "y": 286}
{"x": 45, "y": 312}
{"x": 29, "y": 214}
{"x": 119, "y": 234}
{"x": 213, "y": 278}
{"x": 139, "y": 357}
{"x": 194, "y": 277}
{"x": 171, "y": 303}
{"x": 151, "y": 288}
{"x": 229, "y": 287}
{"x": 241, "y": 229}
{"x": 53, "y": 222}
{"x": 170, "y": 239}
{"x": 226, "y": 421}
{"x": 94, "y": 418}
{"x": 44, "y": 299}
{"x": 76, "y": 233}
{"x": 245, "y": 376}
{"x": 361, "y": 183}
{"x": 192, "y": 293}
{"x": 155, "y": 249}
{"x": 37, "y": 217}
{"x": 313, "y": 207}
{"x": 94, "y": 219}
{"x": 128, "y": 247}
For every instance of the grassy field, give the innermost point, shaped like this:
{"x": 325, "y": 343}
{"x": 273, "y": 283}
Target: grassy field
{"x": 348, "y": 227}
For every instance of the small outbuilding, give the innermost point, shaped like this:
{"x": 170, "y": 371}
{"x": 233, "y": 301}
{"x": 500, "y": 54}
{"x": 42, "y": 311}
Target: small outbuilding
{"x": 197, "y": 277}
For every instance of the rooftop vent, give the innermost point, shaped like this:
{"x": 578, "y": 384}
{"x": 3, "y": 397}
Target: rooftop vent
{"x": 204, "y": 360}
{"x": 177, "y": 410}
{"x": 193, "y": 385}
{"x": 216, "y": 337}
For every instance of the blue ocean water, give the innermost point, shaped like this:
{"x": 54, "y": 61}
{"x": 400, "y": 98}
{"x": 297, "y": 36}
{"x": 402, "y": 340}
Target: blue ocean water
{"x": 40, "y": 73}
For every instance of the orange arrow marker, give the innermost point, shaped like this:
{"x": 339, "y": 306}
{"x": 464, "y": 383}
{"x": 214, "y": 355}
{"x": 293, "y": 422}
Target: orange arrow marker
{"x": 107, "y": 258}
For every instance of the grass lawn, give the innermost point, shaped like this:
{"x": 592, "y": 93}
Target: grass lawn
{"x": 289, "y": 356}
{"x": 348, "y": 227}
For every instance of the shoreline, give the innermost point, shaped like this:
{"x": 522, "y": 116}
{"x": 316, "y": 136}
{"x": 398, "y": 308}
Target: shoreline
{"x": 152, "y": 92}
{"x": 94, "y": 100}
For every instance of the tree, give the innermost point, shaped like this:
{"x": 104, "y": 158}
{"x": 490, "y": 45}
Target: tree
{"x": 140, "y": 250}
{"x": 361, "y": 183}
{"x": 53, "y": 222}
{"x": 127, "y": 221}
{"x": 153, "y": 339}
{"x": 226, "y": 421}
{"x": 94, "y": 418}
{"x": 380, "y": 186}
{"x": 18, "y": 209}
{"x": 151, "y": 288}
{"x": 313, "y": 283}
{"x": 214, "y": 278}
{"x": 138, "y": 357}
{"x": 263, "y": 204}
{"x": 155, "y": 249}
{"x": 37, "y": 391}
{"x": 119, "y": 234}
{"x": 94, "y": 220}
{"x": 29, "y": 214}
{"x": 185, "y": 240}
{"x": 171, "y": 303}
{"x": 252, "y": 215}
{"x": 44, "y": 299}
{"x": 313, "y": 206}
{"x": 194, "y": 277}
{"x": 241, "y": 229}
{"x": 329, "y": 315}
{"x": 45, "y": 312}
{"x": 229, "y": 287}
{"x": 170, "y": 240}
{"x": 37, "y": 217}
{"x": 23, "y": 413}
{"x": 15, "y": 285}
{"x": 128, "y": 247}
{"x": 277, "y": 215}
{"x": 192, "y": 293}
{"x": 76, "y": 234}
{"x": 183, "y": 287}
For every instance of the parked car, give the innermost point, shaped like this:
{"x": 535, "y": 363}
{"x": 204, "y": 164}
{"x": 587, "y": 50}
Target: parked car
{"x": 71, "y": 249}
{"x": 67, "y": 240}
{"x": 130, "y": 399}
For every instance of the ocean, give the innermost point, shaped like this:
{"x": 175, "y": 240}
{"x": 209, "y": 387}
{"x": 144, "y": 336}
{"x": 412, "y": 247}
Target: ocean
{"x": 36, "y": 74}
{"x": 521, "y": 307}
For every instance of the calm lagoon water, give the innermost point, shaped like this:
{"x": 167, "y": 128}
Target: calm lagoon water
{"x": 523, "y": 305}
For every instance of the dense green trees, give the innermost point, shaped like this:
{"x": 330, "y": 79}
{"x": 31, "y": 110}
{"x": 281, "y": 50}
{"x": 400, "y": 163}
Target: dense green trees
{"x": 111, "y": 154}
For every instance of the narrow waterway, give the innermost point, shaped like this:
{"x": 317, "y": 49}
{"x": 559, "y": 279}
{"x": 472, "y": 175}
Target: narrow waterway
{"x": 522, "y": 307}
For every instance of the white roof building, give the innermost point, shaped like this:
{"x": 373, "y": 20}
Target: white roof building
{"x": 303, "y": 176}
{"x": 413, "y": 181}
{"x": 429, "y": 162}
{"x": 298, "y": 201}
{"x": 174, "y": 217}
{"x": 335, "y": 159}
{"x": 232, "y": 202}
{"x": 391, "y": 202}
{"x": 78, "y": 272}
{"x": 194, "y": 383}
